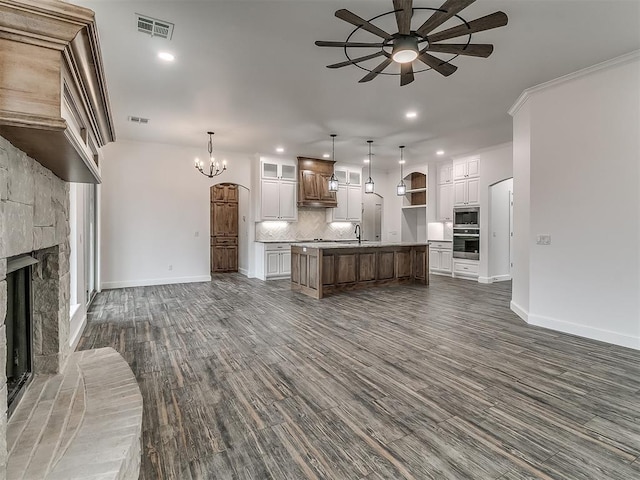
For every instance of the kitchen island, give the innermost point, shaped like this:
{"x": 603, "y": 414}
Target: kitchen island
{"x": 323, "y": 268}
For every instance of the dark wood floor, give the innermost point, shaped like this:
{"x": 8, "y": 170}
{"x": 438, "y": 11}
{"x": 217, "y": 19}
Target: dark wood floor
{"x": 243, "y": 379}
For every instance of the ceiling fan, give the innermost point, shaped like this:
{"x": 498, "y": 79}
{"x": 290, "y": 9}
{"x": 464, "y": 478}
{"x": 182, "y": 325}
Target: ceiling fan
{"x": 407, "y": 45}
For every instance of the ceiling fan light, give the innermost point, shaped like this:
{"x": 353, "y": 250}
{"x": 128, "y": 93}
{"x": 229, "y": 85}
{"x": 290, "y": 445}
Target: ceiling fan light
{"x": 405, "y": 49}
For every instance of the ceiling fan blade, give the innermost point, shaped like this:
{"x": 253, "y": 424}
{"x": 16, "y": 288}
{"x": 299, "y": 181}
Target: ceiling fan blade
{"x": 404, "y": 12}
{"x": 473, "y": 50}
{"x": 406, "y": 73}
{"x": 497, "y": 19}
{"x": 447, "y": 10}
{"x": 354, "y": 19}
{"x": 374, "y": 73}
{"x": 356, "y": 60}
{"x": 438, "y": 65}
{"x": 321, "y": 43}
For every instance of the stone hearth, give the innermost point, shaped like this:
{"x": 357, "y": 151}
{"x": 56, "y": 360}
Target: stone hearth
{"x": 34, "y": 217}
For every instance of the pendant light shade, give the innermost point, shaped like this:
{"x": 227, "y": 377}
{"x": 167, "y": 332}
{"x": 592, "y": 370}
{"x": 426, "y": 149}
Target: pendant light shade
{"x": 368, "y": 186}
{"x": 401, "y": 189}
{"x": 333, "y": 181}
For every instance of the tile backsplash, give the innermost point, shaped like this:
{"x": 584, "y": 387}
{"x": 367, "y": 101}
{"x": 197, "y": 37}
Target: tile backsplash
{"x": 312, "y": 223}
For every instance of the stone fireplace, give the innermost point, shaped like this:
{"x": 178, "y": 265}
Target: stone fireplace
{"x": 34, "y": 220}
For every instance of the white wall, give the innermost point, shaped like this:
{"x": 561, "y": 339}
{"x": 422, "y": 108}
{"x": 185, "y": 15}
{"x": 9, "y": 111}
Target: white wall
{"x": 499, "y": 199}
{"x": 585, "y": 183}
{"x": 521, "y": 212}
{"x": 154, "y": 203}
{"x": 244, "y": 227}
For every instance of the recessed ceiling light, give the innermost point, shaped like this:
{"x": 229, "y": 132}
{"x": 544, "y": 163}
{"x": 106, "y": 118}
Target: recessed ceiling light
{"x": 280, "y": 149}
{"x": 440, "y": 152}
{"x": 411, "y": 115}
{"x": 326, "y": 155}
{"x": 166, "y": 56}
{"x": 366, "y": 160}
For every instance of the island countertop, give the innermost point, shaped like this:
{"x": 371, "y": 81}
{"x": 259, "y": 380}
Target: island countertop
{"x": 355, "y": 244}
{"x": 322, "y": 268}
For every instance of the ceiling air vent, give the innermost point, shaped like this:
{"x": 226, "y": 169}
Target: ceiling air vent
{"x": 154, "y": 27}
{"x": 140, "y": 120}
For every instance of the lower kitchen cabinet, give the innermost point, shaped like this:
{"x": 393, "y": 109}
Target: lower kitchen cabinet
{"x": 276, "y": 260}
{"x": 465, "y": 268}
{"x": 440, "y": 256}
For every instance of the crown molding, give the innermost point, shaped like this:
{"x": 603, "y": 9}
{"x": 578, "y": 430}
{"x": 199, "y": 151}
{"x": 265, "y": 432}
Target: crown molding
{"x": 614, "y": 62}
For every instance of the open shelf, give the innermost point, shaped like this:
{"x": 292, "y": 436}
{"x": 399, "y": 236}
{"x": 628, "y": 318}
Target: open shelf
{"x": 416, "y": 190}
{"x": 416, "y": 194}
{"x": 414, "y": 206}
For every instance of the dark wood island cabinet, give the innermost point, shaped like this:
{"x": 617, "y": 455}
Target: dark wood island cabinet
{"x": 319, "y": 269}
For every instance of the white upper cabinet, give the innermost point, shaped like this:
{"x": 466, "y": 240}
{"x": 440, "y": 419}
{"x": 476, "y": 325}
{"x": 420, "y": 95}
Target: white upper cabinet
{"x": 466, "y": 168}
{"x": 348, "y": 175}
{"x": 354, "y": 204}
{"x": 466, "y": 192}
{"x": 270, "y": 200}
{"x": 287, "y": 201}
{"x": 355, "y": 177}
{"x": 280, "y": 171}
{"x": 278, "y": 191}
{"x": 445, "y": 202}
{"x": 466, "y": 176}
{"x": 445, "y": 173}
{"x": 349, "y": 196}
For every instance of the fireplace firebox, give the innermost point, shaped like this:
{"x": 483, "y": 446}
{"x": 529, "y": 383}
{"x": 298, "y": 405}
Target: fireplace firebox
{"x": 19, "y": 327}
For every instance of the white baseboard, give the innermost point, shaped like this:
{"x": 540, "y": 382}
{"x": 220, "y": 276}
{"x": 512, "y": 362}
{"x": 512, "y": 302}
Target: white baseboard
{"x": 154, "y": 281}
{"x": 74, "y": 338}
{"x": 518, "y": 310}
{"x": 443, "y": 273}
{"x": 502, "y": 278}
{"x": 243, "y": 271}
{"x": 585, "y": 331}
{"x": 495, "y": 278}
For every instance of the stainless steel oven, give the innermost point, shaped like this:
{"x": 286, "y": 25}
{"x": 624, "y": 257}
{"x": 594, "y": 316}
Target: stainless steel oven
{"x": 466, "y": 243}
{"x": 466, "y": 217}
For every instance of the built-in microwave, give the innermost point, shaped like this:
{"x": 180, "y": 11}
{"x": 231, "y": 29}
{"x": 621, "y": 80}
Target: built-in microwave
{"x": 466, "y": 217}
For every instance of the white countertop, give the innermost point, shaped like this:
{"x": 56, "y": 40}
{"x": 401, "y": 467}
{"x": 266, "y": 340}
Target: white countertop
{"x": 355, "y": 244}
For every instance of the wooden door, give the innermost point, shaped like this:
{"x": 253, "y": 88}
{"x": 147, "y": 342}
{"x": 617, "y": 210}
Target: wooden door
{"x": 224, "y": 228}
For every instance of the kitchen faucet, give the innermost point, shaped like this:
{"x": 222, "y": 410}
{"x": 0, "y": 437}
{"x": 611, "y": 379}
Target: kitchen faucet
{"x": 358, "y": 233}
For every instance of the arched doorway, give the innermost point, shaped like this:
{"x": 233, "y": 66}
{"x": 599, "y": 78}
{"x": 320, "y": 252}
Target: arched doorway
{"x": 229, "y": 227}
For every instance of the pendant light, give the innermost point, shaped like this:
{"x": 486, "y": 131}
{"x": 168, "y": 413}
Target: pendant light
{"x": 333, "y": 181}
{"x": 214, "y": 166}
{"x": 401, "y": 189}
{"x": 368, "y": 186}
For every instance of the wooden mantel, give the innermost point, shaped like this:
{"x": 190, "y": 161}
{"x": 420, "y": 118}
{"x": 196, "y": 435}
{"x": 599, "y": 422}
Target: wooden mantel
{"x": 53, "y": 98}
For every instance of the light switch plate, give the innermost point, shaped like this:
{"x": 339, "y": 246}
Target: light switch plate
{"x": 543, "y": 239}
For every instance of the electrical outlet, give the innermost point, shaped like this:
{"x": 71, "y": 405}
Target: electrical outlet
{"x": 543, "y": 239}
{"x": 197, "y": 234}
{"x": 170, "y": 267}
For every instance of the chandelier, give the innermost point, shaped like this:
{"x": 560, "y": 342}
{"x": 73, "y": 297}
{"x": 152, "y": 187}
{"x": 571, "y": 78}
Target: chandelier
{"x": 214, "y": 165}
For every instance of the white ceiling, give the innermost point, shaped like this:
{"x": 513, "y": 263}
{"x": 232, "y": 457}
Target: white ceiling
{"x": 249, "y": 70}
